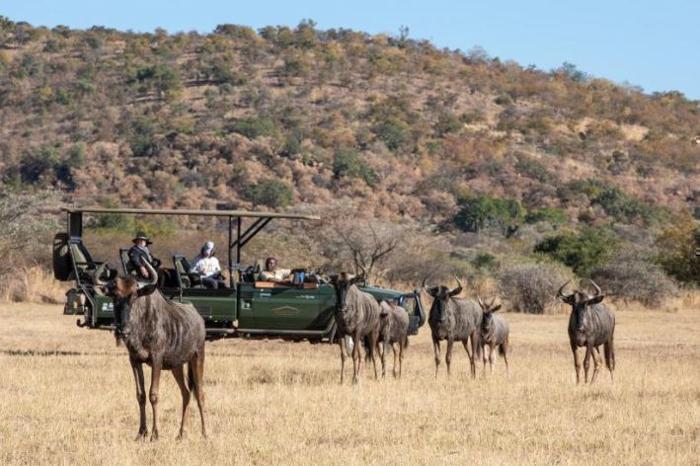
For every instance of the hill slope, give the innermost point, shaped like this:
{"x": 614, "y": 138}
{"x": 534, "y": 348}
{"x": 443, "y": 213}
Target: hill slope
{"x": 285, "y": 116}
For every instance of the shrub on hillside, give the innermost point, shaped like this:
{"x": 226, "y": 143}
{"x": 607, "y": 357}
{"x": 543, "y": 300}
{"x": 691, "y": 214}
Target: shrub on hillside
{"x": 583, "y": 251}
{"x": 349, "y": 163}
{"x": 629, "y": 277}
{"x": 480, "y": 212}
{"x": 677, "y": 245}
{"x": 271, "y": 193}
{"x": 532, "y": 288}
{"x": 550, "y": 215}
{"x": 254, "y": 127}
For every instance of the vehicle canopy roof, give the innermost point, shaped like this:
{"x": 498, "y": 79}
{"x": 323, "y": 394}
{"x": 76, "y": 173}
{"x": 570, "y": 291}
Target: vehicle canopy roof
{"x": 204, "y": 213}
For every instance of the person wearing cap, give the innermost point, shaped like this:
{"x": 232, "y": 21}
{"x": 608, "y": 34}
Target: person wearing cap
{"x": 138, "y": 254}
{"x": 206, "y": 265}
{"x": 272, "y": 273}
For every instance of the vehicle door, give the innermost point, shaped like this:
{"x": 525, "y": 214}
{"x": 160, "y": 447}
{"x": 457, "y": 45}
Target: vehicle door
{"x": 284, "y": 307}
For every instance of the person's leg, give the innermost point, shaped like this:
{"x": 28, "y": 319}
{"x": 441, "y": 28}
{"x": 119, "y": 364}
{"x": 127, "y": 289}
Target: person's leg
{"x": 209, "y": 282}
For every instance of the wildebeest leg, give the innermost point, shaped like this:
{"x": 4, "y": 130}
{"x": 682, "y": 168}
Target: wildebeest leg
{"x": 400, "y": 357}
{"x": 609, "y": 352}
{"x": 196, "y": 376}
{"x": 448, "y": 354}
{"x": 490, "y": 358}
{"x": 587, "y": 363}
{"x": 475, "y": 351}
{"x": 385, "y": 349}
{"x": 577, "y": 362}
{"x": 179, "y": 375}
{"x": 504, "y": 349}
{"x": 343, "y": 352}
{"x": 356, "y": 358}
{"x": 597, "y": 362}
{"x": 153, "y": 396}
{"x": 373, "y": 338}
{"x": 137, "y": 369}
{"x": 436, "y": 348}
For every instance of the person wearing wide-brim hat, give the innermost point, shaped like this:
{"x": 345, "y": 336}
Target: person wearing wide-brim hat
{"x": 139, "y": 254}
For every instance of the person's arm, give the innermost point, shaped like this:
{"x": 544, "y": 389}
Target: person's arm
{"x": 196, "y": 265}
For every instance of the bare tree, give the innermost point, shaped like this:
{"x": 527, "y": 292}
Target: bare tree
{"x": 23, "y": 226}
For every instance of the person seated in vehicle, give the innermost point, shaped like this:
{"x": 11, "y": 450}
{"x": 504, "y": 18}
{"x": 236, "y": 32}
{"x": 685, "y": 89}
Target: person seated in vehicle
{"x": 272, "y": 273}
{"x": 206, "y": 265}
{"x": 139, "y": 254}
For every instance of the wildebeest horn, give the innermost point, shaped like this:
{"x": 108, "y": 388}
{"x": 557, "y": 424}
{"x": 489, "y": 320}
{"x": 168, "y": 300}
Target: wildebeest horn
{"x": 95, "y": 275}
{"x": 560, "y": 294}
{"x": 152, "y": 273}
{"x": 481, "y": 303}
{"x": 459, "y": 284}
{"x": 598, "y": 291}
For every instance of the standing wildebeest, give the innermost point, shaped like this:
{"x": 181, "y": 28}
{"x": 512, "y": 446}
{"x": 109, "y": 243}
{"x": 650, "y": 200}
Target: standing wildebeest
{"x": 357, "y": 316}
{"x": 591, "y": 324}
{"x": 454, "y": 319}
{"x": 163, "y": 334}
{"x": 494, "y": 333}
{"x": 393, "y": 331}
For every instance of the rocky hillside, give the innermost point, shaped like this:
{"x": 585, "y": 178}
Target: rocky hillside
{"x": 282, "y": 116}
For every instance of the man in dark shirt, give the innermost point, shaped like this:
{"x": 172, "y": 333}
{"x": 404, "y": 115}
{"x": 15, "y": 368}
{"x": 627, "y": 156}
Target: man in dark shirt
{"x": 139, "y": 254}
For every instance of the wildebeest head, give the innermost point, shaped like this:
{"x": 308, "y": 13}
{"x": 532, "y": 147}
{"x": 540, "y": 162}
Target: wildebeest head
{"x": 341, "y": 284}
{"x": 579, "y": 302}
{"x": 123, "y": 291}
{"x": 488, "y": 310}
{"x": 441, "y": 299}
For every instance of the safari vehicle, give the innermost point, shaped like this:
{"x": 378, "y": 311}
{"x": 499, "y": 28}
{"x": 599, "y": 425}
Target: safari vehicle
{"x": 247, "y": 308}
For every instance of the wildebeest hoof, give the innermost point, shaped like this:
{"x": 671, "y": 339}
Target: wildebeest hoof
{"x": 154, "y": 436}
{"x": 141, "y": 436}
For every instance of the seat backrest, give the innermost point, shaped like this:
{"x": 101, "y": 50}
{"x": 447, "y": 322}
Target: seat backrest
{"x": 124, "y": 258}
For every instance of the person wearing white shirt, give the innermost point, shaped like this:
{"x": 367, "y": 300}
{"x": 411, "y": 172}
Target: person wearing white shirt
{"x": 207, "y": 267}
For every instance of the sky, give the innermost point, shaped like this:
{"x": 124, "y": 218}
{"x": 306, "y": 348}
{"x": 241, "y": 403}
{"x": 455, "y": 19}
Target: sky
{"x": 652, "y": 44}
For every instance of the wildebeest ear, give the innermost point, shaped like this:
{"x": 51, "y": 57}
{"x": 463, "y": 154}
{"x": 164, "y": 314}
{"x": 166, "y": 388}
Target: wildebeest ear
{"x": 596, "y": 299}
{"x": 357, "y": 279}
{"x": 495, "y": 309}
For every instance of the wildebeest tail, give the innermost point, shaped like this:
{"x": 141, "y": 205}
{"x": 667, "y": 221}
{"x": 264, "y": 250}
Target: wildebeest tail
{"x": 190, "y": 377}
{"x": 609, "y": 351}
{"x": 365, "y": 345}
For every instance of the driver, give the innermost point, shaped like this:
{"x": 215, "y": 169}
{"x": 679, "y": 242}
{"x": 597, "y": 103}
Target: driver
{"x": 139, "y": 253}
{"x": 274, "y": 274}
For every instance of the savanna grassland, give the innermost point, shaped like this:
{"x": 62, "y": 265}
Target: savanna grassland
{"x": 67, "y": 397}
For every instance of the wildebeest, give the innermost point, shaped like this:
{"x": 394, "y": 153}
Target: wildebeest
{"x": 163, "y": 334}
{"x": 494, "y": 332}
{"x": 393, "y": 331}
{"x": 591, "y": 324}
{"x": 357, "y": 316}
{"x": 454, "y": 319}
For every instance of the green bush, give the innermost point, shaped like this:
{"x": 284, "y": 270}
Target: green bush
{"x": 271, "y": 192}
{"x": 36, "y": 164}
{"x": 581, "y": 251}
{"x": 677, "y": 245}
{"x": 254, "y": 127}
{"x": 533, "y": 169}
{"x": 349, "y": 163}
{"x": 479, "y": 212}
{"x": 394, "y": 133}
{"x": 551, "y": 215}
{"x": 143, "y": 142}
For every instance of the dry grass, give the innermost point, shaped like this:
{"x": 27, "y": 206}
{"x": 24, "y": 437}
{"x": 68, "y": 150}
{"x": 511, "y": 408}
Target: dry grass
{"x": 67, "y": 396}
{"x": 32, "y": 284}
